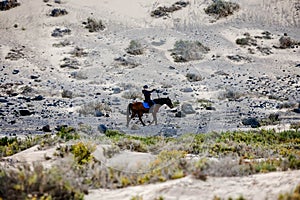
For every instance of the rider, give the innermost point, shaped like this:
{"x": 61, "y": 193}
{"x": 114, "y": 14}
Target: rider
{"x": 147, "y": 94}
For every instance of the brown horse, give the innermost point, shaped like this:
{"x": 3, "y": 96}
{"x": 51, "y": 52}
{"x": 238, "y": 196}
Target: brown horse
{"x": 137, "y": 108}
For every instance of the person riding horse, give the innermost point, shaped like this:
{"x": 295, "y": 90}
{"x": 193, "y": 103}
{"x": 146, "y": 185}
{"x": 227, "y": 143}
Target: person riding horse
{"x": 147, "y": 95}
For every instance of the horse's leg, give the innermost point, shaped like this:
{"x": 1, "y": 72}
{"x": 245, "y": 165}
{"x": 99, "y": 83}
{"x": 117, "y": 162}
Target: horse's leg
{"x": 154, "y": 111}
{"x": 140, "y": 114}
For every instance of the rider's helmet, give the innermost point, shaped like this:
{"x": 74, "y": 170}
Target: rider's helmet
{"x": 145, "y": 87}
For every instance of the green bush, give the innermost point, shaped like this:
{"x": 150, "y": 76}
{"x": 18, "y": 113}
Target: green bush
{"x": 68, "y": 133}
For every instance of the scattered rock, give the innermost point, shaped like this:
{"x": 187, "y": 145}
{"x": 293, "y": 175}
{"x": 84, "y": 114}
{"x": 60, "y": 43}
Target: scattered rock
{"x": 193, "y": 77}
{"x": 58, "y": 12}
{"x": 168, "y": 132}
{"x": 8, "y": 4}
{"x": 25, "y": 112}
{"x": 67, "y": 94}
{"x": 180, "y": 114}
{"x": 239, "y": 58}
{"x": 187, "y": 108}
{"x": 102, "y": 128}
{"x": 15, "y": 71}
{"x": 188, "y": 89}
{"x": 70, "y": 63}
{"x": 253, "y": 122}
{"x": 58, "y": 32}
{"x": 163, "y": 11}
{"x": 297, "y": 110}
{"x": 38, "y": 98}
{"x": 98, "y": 113}
{"x": 46, "y": 128}
{"x": 135, "y": 127}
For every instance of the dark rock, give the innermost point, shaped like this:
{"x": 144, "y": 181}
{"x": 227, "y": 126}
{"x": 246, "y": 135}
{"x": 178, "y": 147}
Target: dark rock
{"x": 25, "y": 112}
{"x": 297, "y": 110}
{"x": 210, "y": 108}
{"x": 117, "y": 90}
{"x": 67, "y": 94}
{"x": 180, "y": 114}
{"x": 58, "y": 12}
{"x": 46, "y": 128}
{"x": 253, "y": 122}
{"x": 102, "y": 128}
{"x": 8, "y": 4}
{"x": 193, "y": 77}
{"x": 15, "y": 71}
{"x": 38, "y": 98}
{"x": 34, "y": 76}
{"x": 98, "y": 113}
{"x": 3, "y": 101}
{"x": 60, "y": 32}
{"x": 188, "y": 89}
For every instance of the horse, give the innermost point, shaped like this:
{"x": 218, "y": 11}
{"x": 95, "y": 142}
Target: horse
{"x": 137, "y": 108}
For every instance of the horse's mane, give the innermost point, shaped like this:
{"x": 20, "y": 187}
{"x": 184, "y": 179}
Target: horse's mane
{"x": 160, "y": 100}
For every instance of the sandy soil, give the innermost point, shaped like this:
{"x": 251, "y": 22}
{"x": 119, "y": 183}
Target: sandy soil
{"x": 266, "y": 77}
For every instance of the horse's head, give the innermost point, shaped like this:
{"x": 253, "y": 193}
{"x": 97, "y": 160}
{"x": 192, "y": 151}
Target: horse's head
{"x": 169, "y": 102}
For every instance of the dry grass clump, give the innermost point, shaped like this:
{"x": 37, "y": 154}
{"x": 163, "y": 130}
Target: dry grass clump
{"x": 94, "y": 108}
{"x": 231, "y": 95}
{"x": 163, "y": 11}
{"x": 132, "y": 95}
{"x": 220, "y": 8}
{"x": 287, "y": 42}
{"x": 78, "y": 52}
{"x": 126, "y": 62}
{"x": 94, "y": 25}
{"x": 295, "y": 195}
{"x": 185, "y": 51}
{"x": 247, "y": 40}
{"x": 8, "y": 4}
{"x": 135, "y": 48}
{"x": 58, "y": 12}
{"x": 25, "y": 182}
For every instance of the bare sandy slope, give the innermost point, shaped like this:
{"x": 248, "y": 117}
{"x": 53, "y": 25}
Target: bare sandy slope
{"x": 28, "y": 29}
{"x": 263, "y": 186}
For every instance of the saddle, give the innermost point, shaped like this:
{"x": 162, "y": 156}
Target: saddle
{"x": 146, "y": 104}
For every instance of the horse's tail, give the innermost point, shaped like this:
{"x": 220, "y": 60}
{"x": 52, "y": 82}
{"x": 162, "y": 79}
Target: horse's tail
{"x": 129, "y": 107}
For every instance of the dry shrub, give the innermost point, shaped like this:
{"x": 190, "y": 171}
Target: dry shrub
{"x": 94, "y": 25}
{"x": 8, "y": 4}
{"x": 58, "y": 12}
{"x": 163, "y": 11}
{"x": 287, "y": 42}
{"x": 91, "y": 108}
{"x": 221, "y": 8}
{"x": 185, "y": 51}
{"x": 78, "y": 52}
{"x": 25, "y": 182}
{"x": 135, "y": 48}
{"x": 132, "y": 95}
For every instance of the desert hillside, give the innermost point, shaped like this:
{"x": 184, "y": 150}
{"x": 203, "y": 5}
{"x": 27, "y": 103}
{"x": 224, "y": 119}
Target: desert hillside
{"x": 80, "y": 63}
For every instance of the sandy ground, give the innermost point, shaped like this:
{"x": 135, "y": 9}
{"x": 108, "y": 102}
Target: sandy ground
{"x": 26, "y": 31}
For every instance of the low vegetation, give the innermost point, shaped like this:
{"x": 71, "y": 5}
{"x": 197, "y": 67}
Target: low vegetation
{"x": 185, "y": 51}
{"x": 135, "y": 48}
{"x": 220, "y": 8}
{"x": 94, "y": 25}
{"x": 214, "y": 154}
{"x": 164, "y": 11}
